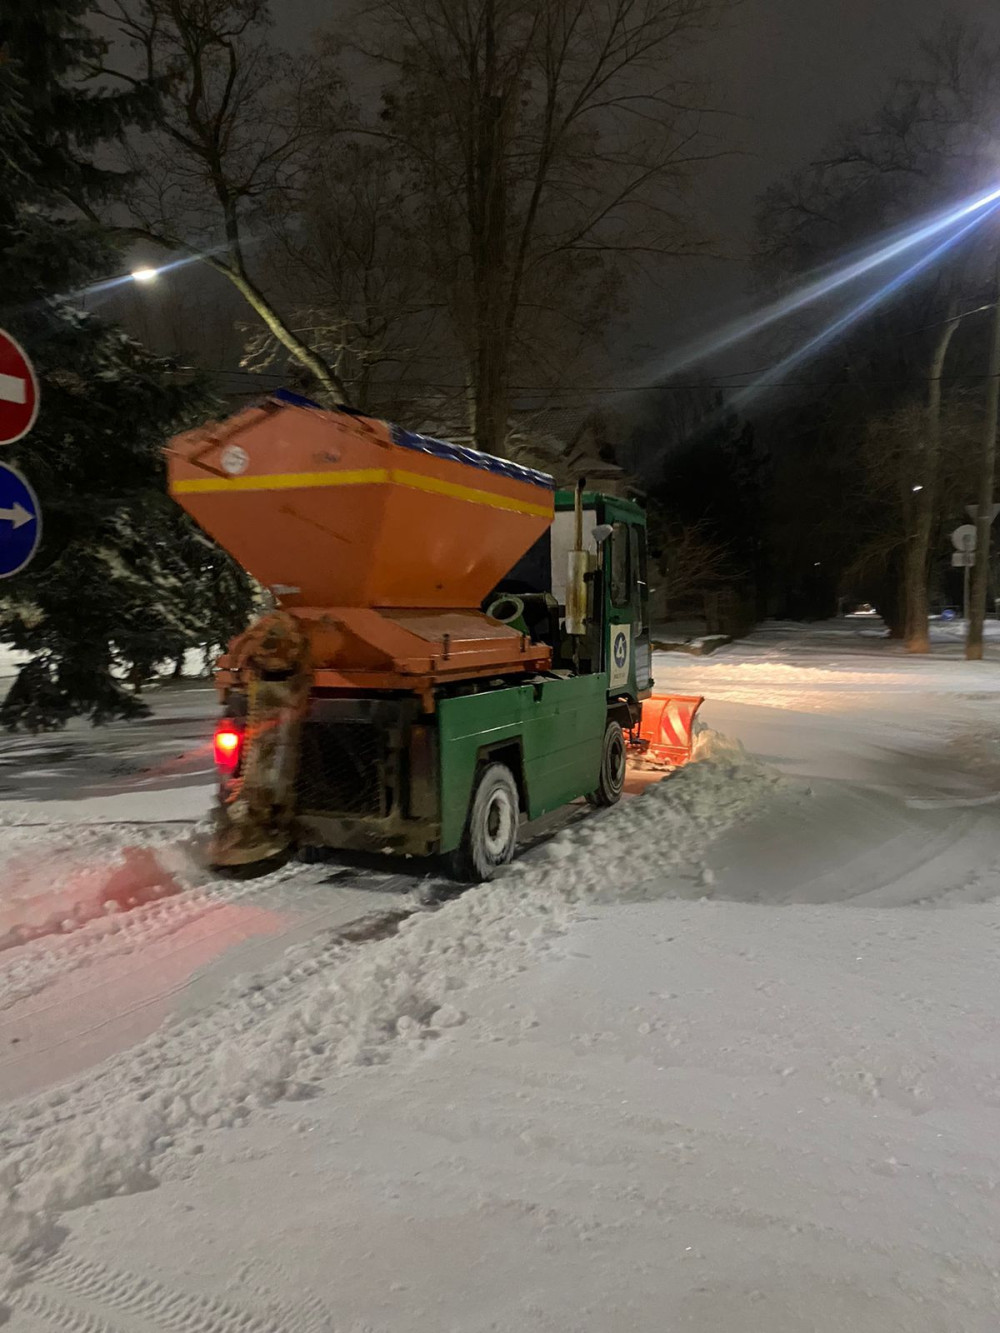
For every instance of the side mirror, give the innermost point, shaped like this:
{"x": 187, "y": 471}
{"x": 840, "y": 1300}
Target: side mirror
{"x": 602, "y": 532}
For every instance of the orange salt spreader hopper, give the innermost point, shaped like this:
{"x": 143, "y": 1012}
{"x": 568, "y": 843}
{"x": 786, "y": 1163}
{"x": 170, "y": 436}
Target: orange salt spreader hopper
{"x": 381, "y": 543}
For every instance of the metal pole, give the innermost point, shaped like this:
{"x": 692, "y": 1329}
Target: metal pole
{"x": 987, "y": 477}
{"x": 965, "y": 608}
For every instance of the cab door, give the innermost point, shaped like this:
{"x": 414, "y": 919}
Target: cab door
{"x": 628, "y": 655}
{"x": 620, "y": 611}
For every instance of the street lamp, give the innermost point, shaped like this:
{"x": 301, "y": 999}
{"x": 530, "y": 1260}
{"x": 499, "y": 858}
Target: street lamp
{"x": 145, "y": 276}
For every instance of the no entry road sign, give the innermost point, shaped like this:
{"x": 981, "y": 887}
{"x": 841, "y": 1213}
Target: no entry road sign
{"x": 20, "y": 522}
{"x": 18, "y": 391}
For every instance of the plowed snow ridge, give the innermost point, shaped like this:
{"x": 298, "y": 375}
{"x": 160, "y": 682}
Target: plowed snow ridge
{"x": 328, "y": 1006}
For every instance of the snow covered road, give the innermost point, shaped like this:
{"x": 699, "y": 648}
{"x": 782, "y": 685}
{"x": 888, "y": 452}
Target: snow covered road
{"x": 898, "y": 759}
{"x": 716, "y": 1060}
{"x": 84, "y": 990}
{"x": 152, "y": 769}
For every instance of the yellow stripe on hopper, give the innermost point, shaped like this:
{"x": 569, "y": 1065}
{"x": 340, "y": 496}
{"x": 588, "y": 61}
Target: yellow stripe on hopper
{"x": 287, "y": 481}
{"x": 417, "y": 482}
{"x": 281, "y": 481}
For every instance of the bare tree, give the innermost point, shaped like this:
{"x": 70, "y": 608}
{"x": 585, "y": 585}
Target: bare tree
{"x": 689, "y": 562}
{"x": 547, "y": 143}
{"x": 986, "y": 490}
{"x": 930, "y": 144}
{"x": 230, "y": 139}
{"x": 889, "y": 459}
{"x": 923, "y": 501}
{"x": 346, "y": 260}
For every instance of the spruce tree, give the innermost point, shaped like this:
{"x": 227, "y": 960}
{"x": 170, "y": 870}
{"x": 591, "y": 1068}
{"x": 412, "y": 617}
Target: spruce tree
{"x": 122, "y": 580}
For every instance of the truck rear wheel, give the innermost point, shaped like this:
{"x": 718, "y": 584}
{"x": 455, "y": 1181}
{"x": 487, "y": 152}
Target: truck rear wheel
{"x": 491, "y": 827}
{"x": 614, "y": 759}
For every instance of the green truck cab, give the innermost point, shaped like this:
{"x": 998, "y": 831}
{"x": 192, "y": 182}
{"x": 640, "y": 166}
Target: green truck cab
{"x": 457, "y": 782}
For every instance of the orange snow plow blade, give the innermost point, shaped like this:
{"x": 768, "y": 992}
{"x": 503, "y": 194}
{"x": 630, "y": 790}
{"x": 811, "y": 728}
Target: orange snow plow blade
{"x": 665, "y": 729}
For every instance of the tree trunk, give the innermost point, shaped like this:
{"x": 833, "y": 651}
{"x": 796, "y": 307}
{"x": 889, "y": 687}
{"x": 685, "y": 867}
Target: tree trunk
{"x": 987, "y": 479}
{"x": 925, "y": 502}
{"x": 306, "y": 356}
{"x": 489, "y": 249}
{"x": 492, "y": 407}
{"x": 916, "y": 627}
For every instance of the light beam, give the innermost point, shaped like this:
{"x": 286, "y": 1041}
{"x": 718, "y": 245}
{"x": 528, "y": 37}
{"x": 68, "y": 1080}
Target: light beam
{"x": 739, "y": 330}
{"x": 856, "y": 312}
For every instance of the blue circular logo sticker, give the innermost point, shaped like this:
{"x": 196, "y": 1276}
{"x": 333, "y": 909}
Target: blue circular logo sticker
{"x": 621, "y": 650}
{"x": 20, "y": 522}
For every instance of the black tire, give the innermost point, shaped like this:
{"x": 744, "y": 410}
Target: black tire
{"x": 490, "y": 834}
{"x": 614, "y": 758}
{"x": 311, "y": 854}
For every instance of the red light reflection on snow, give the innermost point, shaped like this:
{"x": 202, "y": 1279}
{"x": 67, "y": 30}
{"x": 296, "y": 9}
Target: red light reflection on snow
{"x": 124, "y": 976}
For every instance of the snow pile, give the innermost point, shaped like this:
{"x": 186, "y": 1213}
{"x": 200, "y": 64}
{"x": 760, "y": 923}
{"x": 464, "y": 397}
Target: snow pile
{"x": 328, "y": 1006}
{"x": 657, "y": 838}
{"x": 763, "y": 673}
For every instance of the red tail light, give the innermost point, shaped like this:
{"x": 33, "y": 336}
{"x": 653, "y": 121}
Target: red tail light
{"x": 227, "y": 744}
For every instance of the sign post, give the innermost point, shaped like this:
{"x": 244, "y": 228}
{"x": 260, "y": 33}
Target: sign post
{"x": 973, "y": 512}
{"x": 964, "y": 541}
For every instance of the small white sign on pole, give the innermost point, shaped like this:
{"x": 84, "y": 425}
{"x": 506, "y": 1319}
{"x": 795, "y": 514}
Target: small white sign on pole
{"x": 963, "y": 559}
{"x": 964, "y": 537}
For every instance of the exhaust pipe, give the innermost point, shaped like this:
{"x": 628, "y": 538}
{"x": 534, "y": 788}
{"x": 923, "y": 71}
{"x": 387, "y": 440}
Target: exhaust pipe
{"x": 579, "y": 565}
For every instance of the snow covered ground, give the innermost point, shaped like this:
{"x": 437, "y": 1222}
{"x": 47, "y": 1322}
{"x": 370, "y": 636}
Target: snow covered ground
{"x": 721, "y": 1059}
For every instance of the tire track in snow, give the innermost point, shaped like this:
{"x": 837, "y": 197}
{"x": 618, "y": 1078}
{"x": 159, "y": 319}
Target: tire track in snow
{"x": 55, "y": 1028}
{"x": 240, "y": 1009}
{"x": 56, "y": 1290}
{"x": 53, "y": 1314}
{"x": 34, "y": 964}
{"x": 46, "y": 958}
{"x": 29, "y": 967}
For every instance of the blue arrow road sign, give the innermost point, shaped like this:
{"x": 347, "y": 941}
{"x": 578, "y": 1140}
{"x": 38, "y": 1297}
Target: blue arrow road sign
{"x": 20, "y": 522}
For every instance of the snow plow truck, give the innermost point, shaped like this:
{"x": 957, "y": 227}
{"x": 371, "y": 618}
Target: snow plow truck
{"x": 454, "y": 644}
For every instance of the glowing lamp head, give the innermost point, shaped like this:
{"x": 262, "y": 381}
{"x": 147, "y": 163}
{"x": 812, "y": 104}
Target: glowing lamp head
{"x": 227, "y": 744}
{"x": 145, "y": 274}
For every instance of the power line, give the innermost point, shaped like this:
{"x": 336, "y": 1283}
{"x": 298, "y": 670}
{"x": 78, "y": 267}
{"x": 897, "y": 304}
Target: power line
{"x": 522, "y": 392}
{"x": 721, "y": 381}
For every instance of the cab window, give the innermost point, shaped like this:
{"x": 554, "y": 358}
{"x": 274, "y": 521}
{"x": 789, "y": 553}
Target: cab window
{"x": 638, "y": 538}
{"x": 621, "y": 565}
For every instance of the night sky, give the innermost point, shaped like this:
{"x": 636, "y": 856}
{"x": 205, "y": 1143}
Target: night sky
{"x": 789, "y": 72}
{"x": 792, "y": 72}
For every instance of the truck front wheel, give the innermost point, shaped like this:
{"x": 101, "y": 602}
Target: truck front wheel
{"x": 614, "y": 758}
{"x": 491, "y": 827}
